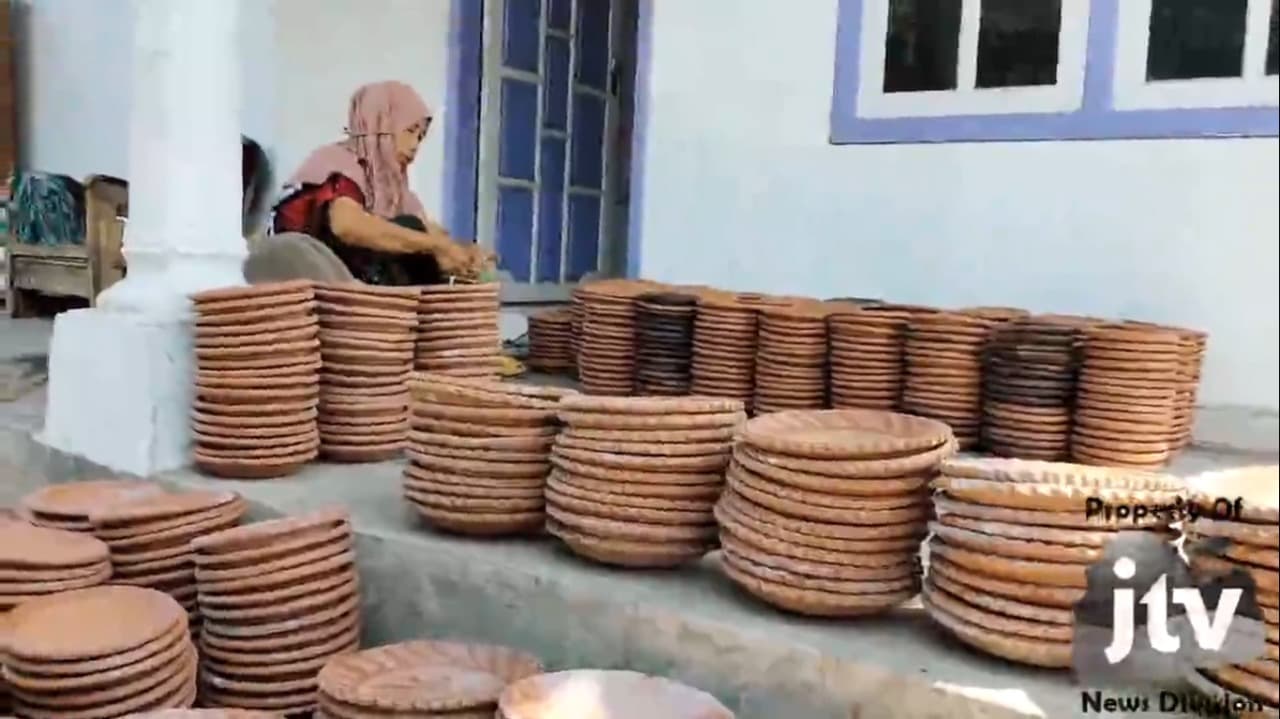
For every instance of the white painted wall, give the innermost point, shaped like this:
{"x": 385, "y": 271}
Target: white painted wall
{"x": 742, "y": 190}
{"x": 302, "y": 60}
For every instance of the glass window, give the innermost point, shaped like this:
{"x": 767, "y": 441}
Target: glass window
{"x": 1196, "y": 39}
{"x": 1018, "y": 43}
{"x": 922, "y": 45}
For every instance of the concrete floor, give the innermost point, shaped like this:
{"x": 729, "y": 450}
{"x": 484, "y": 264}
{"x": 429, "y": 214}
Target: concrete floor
{"x": 690, "y": 624}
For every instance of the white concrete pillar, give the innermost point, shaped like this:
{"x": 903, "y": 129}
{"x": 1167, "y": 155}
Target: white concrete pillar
{"x": 120, "y": 375}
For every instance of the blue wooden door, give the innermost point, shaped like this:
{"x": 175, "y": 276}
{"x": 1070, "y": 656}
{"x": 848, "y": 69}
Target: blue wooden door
{"x": 548, "y": 120}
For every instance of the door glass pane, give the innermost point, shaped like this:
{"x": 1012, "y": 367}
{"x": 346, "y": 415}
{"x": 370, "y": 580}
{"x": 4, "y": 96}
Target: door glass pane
{"x": 1196, "y": 38}
{"x": 559, "y": 14}
{"x": 1273, "y": 40}
{"x": 584, "y": 234}
{"x": 515, "y": 231}
{"x": 593, "y": 43}
{"x": 519, "y": 129}
{"x": 550, "y": 209}
{"x": 588, "y": 141}
{"x": 555, "y": 84}
{"x": 922, "y": 45}
{"x": 1018, "y": 43}
{"x": 520, "y": 46}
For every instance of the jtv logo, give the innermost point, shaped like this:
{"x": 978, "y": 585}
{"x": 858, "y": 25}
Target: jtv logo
{"x": 1148, "y": 615}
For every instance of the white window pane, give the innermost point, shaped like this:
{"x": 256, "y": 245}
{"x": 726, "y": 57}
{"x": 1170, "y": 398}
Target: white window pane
{"x": 922, "y": 45}
{"x": 1192, "y": 39}
{"x": 1018, "y": 43}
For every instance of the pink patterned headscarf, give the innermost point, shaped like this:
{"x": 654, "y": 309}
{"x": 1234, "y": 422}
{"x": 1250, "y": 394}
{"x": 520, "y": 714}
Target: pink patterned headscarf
{"x": 368, "y": 156}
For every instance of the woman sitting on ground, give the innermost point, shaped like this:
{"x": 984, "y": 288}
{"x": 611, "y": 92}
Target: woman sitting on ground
{"x": 348, "y": 213}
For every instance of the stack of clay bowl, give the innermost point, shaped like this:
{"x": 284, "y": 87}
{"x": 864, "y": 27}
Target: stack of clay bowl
{"x": 791, "y": 357}
{"x": 1128, "y": 396}
{"x": 1029, "y": 387}
{"x": 551, "y": 341}
{"x": 1191, "y": 345}
{"x": 944, "y": 353}
{"x": 603, "y": 694}
{"x": 150, "y": 539}
{"x": 866, "y": 367}
{"x": 69, "y": 505}
{"x": 257, "y": 380}
{"x": 422, "y": 680}
{"x": 367, "y": 345}
{"x": 607, "y": 344}
{"x": 1012, "y": 544}
{"x": 279, "y": 600}
{"x": 724, "y": 347}
{"x": 479, "y": 453}
{"x": 458, "y": 330}
{"x": 99, "y": 652}
{"x": 664, "y": 343}
{"x": 636, "y": 478}
{"x": 825, "y": 510}
{"x": 1249, "y": 539}
{"x": 35, "y": 561}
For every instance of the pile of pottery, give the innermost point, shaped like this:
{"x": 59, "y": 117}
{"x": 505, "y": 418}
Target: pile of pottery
{"x": 944, "y": 353}
{"x": 367, "y": 347}
{"x": 279, "y": 599}
{"x": 635, "y": 479}
{"x": 257, "y": 380}
{"x": 69, "y": 505}
{"x": 825, "y": 510}
{"x": 150, "y": 539}
{"x": 664, "y": 343}
{"x": 606, "y": 695}
{"x": 100, "y": 652}
{"x": 1013, "y": 543}
{"x": 458, "y": 330}
{"x": 1249, "y": 537}
{"x": 1128, "y": 396}
{"x": 4, "y": 688}
{"x": 1029, "y": 387}
{"x": 479, "y": 453}
{"x": 607, "y": 341}
{"x": 865, "y": 357}
{"x": 1191, "y": 349}
{"x": 551, "y": 341}
{"x": 35, "y": 561}
{"x": 724, "y": 347}
{"x": 791, "y": 358}
{"x": 421, "y": 679}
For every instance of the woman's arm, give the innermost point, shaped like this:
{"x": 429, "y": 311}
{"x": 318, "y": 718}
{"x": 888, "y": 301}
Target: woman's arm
{"x": 354, "y": 226}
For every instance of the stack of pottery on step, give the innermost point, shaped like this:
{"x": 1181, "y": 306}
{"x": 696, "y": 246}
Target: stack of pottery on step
{"x": 69, "y": 505}
{"x": 150, "y": 539}
{"x": 1029, "y": 387}
{"x": 664, "y": 343}
{"x": 551, "y": 341}
{"x": 606, "y": 695}
{"x": 479, "y": 453}
{"x": 607, "y": 341}
{"x": 636, "y": 478}
{"x": 1247, "y": 539}
{"x": 100, "y": 652}
{"x": 791, "y": 357}
{"x": 35, "y": 561}
{"x": 5, "y": 704}
{"x": 279, "y": 599}
{"x": 367, "y": 345}
{"x": 576, "y": 313}
{"x": 458, "y": 330}
{"x": 427, "y": 679}
{"x": 1014, "y": 542}
{"x": 865, "y": 357}
{"x": 825, "y": 510}
{"x": 257, "y": 380}
{"x": 1128, "y": 397}
{"x": 724, "y": 347}
{"x": 1191, "y": 349}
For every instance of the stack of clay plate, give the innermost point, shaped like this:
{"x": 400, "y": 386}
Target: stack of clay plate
{"x": 1249, "y": 539}
{"x": 1128, "y": 396}
{"x": 458, "y": 330}
{"x": 279, "y": 600}
{"x": 35, "y": 561}
{"x": 865, "y": 357}
{"x": 576, "y": 312}
{"x": 68, "y": 505}
{"x": 636, "y": 478}
{"x": 367, "y": 345}
{"x": 944, "y": 370}
{"x": 825, "y": 510}
{"x": 724, "y": 347}
{"x": 603, "y": 694}
{"x": 1012, "y": 544}
{"x": 607, "y": 349}
{"x": 100, "y": 652}
{"x": 257, "y": 380}
{"x": 664, "y": 343}
{"x": 205, "y": 714}
{"x": 791, "y": 357}
{"x": 479, "y": 453}
{"x": 4, "y": 687}
{"x": 1029, "y": 387}
{"x": 1191, "y": 345}
{"x": 150, "y": 539}
{"x": 551, "y": 341}
{"x": 422, "y": 679}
